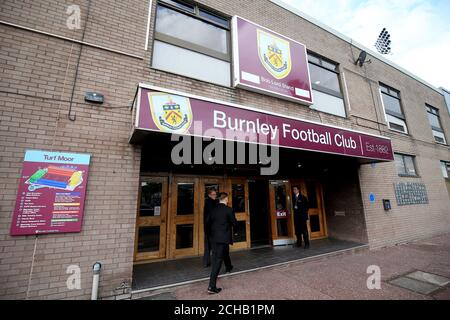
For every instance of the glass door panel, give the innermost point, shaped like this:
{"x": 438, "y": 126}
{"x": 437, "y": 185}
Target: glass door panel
{"x": 151, "y": 221}
{"x": 238, "y": 200}
{"x": 312, "y": 190}
{"x": 184, "y": 217}
{"x": 281, "y": 213}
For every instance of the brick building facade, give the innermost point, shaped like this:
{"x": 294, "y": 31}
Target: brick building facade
{"x": 46, "y": 68}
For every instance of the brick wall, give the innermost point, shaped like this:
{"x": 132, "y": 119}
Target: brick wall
{"x": 37, "y": 73}
{"x": 343, "y": 204}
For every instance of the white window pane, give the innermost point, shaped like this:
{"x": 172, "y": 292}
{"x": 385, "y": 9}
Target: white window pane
{"x": 410, "y": 169}
{"x": 400, "y": 164}
{"x": 324, "y": 78}
{"x": 434, "y": 120}
{"x": 439, "y": 137}
{"x": 314, "y": 59}
{"x": 391, "y": 104}
{"x": 190, "y": 64}
{"x": 208, "y": 15}
{"x": 184, "y": 27}
{"x": 396, "y": 123}
{"x": 444, "y": 169}
{"x": 328, "y": 103}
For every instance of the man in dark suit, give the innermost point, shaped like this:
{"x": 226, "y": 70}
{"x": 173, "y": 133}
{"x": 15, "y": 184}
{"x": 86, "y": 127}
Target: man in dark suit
{"x": 301, "y": 217}
{"x": 210, "y": 204}
{"x": 221, "y": 220}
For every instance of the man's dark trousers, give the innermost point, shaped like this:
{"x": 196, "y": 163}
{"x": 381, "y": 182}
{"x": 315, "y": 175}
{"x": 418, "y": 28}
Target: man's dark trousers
{"x": 207, "y": 253}
{"x": 302, "y": 230}
{"x": 220, "y": 253}
{"x": 210, "y": 204}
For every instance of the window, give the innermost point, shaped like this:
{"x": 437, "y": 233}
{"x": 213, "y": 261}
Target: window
{"x": 435, "y": 122}
{"x": 393, "y": 109}
{"x": 405, "y": 165}
{"x": 192, "y": 42}
{"x": 326, "y": 87}
{"x": 445, "y": 167}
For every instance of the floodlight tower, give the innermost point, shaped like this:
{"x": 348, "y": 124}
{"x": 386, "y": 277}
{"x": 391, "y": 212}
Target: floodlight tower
{"x": 383, "y": 43}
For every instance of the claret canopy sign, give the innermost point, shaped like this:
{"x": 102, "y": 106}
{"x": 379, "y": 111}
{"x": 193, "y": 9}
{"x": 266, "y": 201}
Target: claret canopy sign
{"x": 267, "y": 62}
{"x": 168, "y": 111}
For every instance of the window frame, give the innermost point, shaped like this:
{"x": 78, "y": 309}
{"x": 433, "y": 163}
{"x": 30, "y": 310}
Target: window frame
{"x": 320, "y": 64}
{"x": 413, "y": 158}
{"x": 446, "y": 165}
{"x": 323, "y": 63}
{"x": 195, "y": 15}
{"x": 435, "y": 111}
{"x": 395, "y": 94}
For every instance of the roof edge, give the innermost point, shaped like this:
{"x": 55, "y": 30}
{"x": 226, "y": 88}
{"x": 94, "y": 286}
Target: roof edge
{"x": 323, "y": 26}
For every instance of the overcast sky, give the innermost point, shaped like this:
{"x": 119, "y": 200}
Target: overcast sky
{"x": 420, "y": 30}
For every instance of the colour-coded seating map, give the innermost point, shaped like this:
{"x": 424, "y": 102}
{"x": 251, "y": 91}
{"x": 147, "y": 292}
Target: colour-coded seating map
{"x": 51, "y": 193}
{"x": 55, "y": 177}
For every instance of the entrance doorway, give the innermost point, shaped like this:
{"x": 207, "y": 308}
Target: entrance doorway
{"x": 169, "y": 221}
{"x": 312, "y": 190}
{"x": 281, "y": 214}
{"x": 151, "y": 221}
{"x": 170, "y": 215}
{"x": 258, "y": 197}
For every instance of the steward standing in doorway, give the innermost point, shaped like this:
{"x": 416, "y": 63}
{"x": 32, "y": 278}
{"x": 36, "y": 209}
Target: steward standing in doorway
{"x": 222, "y": 220}
{"x": 301, "y": 217}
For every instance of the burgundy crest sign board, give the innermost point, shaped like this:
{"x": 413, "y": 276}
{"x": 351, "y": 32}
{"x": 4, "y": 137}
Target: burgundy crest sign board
{"x": 269, "y": 63}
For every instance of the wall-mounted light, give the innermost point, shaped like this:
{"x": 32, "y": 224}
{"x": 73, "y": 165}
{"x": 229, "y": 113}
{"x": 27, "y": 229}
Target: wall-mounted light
{"x": 94, "y": 97}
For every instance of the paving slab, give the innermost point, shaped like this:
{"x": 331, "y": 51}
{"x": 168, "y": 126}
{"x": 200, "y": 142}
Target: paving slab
{"x": 429, "y": 277}
{"x": 414, "y": 285}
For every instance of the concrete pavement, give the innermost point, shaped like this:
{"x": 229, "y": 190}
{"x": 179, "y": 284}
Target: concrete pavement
{"x": 336, "y": 277}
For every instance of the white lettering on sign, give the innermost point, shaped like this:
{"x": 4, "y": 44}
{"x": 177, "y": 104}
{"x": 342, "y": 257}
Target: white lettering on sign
{"x": 307, "y": 135}
{"x": 223, "y": 121}
{"x": 377, "y": 148}
{"x": 347, "y": 143}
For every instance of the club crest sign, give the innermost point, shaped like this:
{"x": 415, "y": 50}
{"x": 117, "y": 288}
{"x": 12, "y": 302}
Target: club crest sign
{"x": 274, "y": 54}
{"x": 170, "y": 113}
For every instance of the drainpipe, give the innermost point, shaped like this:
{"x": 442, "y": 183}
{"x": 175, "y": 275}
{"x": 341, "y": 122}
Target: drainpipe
{"x": 95, "y": 279}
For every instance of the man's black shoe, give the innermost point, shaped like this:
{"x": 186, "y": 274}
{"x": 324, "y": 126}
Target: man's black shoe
{"x": 307, "y": 246}
{"x": 298, "y": 244}
{"x": 214, "y": 290}
{"x": 207, "y": 265}
{"x": 229, "y": 269}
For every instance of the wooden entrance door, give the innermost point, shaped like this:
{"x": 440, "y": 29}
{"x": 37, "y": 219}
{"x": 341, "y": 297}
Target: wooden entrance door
{"x": 238, "y": 200}
{"x": 170, "y": 215}
{"x": 317, "y": 222}
{"x": 188, "y": 194}
{"x": 312, "y": 190}
{"x": 281, "y": 213}
{"x": 184, "y": 217}
{"x": 151, "y": 223}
